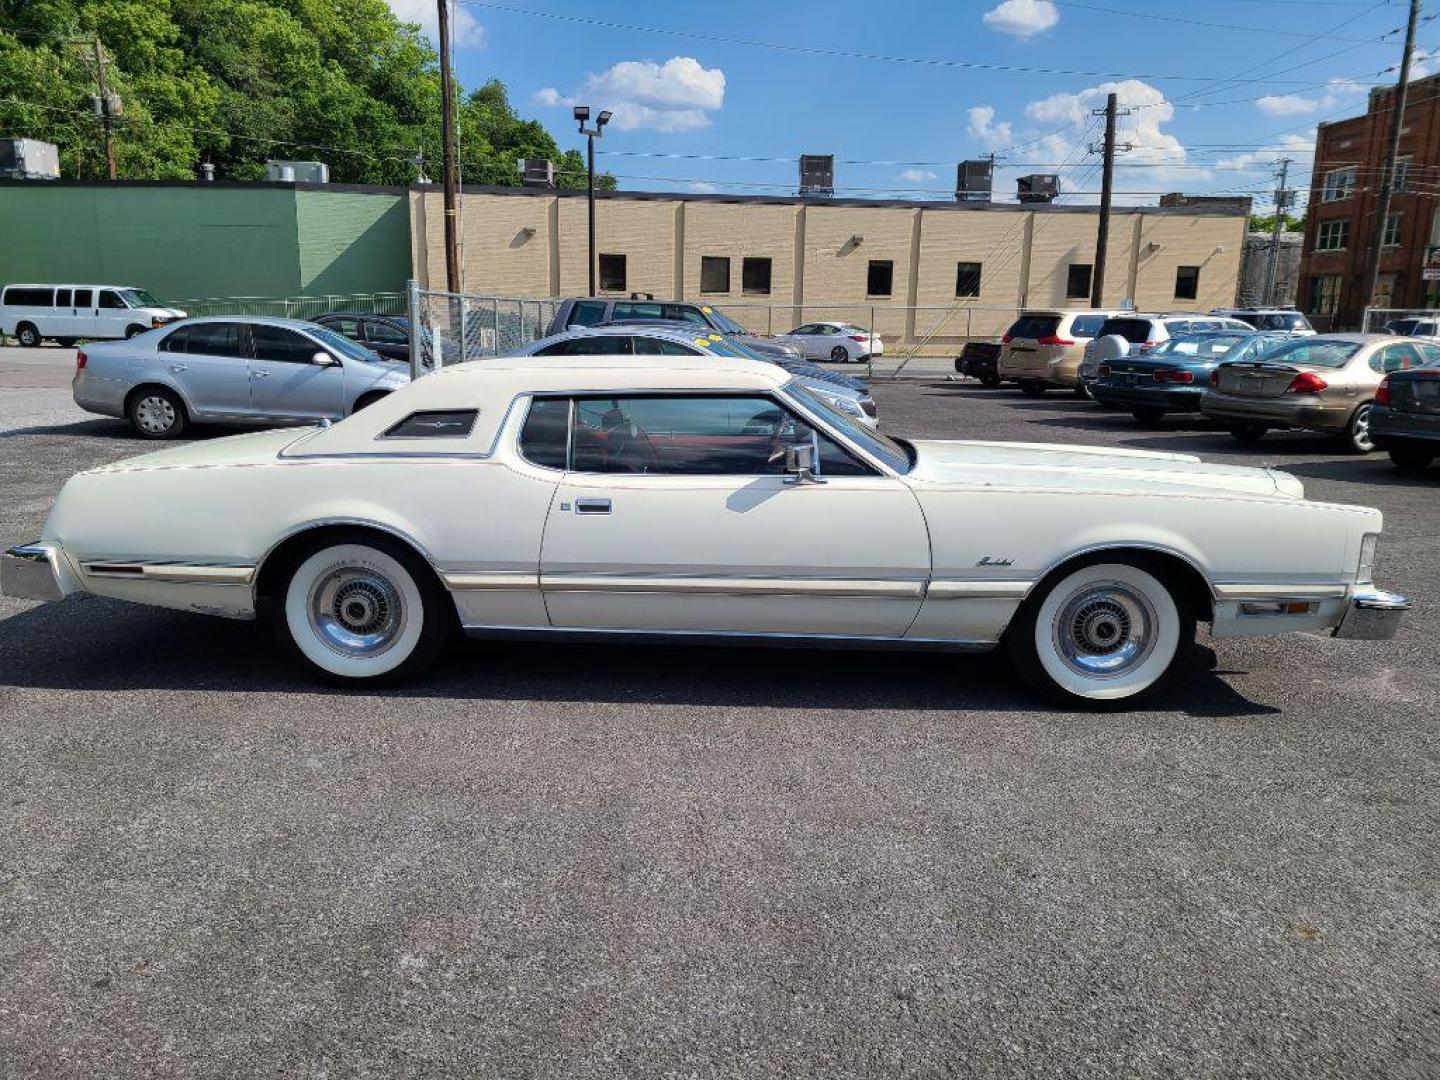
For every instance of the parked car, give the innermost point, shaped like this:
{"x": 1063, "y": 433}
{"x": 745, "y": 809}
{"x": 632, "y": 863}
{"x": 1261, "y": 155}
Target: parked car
{"x": 838, "y": 342}
{"x": 980, "y": 360}
{"x": 231, "y": 370}
{"x": 69, "y": 313}
{"x": 590, "y": 311}
{"x": 1414, "y": 326}
{"x": 1322, "y": 383}
{"x": 658, "y": 498}
{"x": 685, "y": 339}
{"x": 1285, "y": 320}
{"x": 388, "y": 335}
{"x": 1043, "y": 349}
{"x": 1405, "y": 420}
{"x": 1173, "y": 376}
{"x": 1143, "y": 332}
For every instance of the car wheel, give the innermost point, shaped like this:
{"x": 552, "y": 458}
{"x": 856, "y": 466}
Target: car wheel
{"x": 133, "y": 329}
{"x": 1147, "y": 417}
{"x": 157, "y": 413}
{"x": 1248, "y": 433}
{"x": 1357, "y": 433}
{"x": 1411, "y": 459}
{"x": 363, "y": 610}
{"x": 1105, "y": 633}
{"x": 840, "y": 355}
{"x": 1033, "y": 389}
{"x": 66, "y": 342}
{"x": 990, "y": 381}
{"x": 1083, "y": 392}
{"x": 27, "y": 335}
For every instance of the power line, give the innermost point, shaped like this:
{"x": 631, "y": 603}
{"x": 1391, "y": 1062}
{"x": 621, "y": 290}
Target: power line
{"x": 1131, "y": 14}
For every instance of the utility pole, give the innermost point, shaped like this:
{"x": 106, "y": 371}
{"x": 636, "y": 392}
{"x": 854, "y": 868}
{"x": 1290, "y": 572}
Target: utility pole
{"x": 105, "y": 105}
{"x": 1282, "y": 200}
{"x": 1392, "y": 154}
{"x": 1102, "y": 240}
{"x": 447, "y": 135}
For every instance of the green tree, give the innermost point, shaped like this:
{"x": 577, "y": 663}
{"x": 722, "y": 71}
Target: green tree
{"x": 236, "y": 82}
{"x": 1267, "y": 223}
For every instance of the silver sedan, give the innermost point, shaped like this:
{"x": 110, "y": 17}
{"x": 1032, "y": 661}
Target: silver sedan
{"x": 231, "y": 370}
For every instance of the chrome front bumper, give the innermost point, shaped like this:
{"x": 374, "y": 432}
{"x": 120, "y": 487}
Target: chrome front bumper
{"x": 27, "y": 572}
{"x": 1372, "y": 615}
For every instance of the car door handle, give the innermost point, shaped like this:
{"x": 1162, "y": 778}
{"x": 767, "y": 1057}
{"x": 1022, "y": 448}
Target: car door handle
{"x": 592, "y": 506}
{"x": 259, "y": 374}
{"x": 177, "y": 368}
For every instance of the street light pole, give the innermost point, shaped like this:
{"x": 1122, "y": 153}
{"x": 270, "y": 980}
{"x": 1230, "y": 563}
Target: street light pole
{"x": 582, "y": 114}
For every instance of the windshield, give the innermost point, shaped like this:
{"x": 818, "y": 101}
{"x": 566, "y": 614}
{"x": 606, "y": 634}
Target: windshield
{"x": 729, "y": 326}
{"x": 890, "y": 451}
{"x": 1314, "y": 352}
{"x": 140, "y": 298}
{"x": 343, "y": 346}
{"x": 1201, "y": 346}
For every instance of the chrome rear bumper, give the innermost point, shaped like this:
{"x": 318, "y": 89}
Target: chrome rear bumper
{"x": 27, "y": 572}
{"x": 1372, "y": 615}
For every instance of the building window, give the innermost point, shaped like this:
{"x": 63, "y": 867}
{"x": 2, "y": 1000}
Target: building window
{"x": 612, "y": 273}
{"x": 1339, "y": 184}
{"x": 1187, "y": 282}
{"x": 880, "y": 278}
{"x": 714, "y": 274}
{"x": 755, "y": 277}
{"x": 1392, "y": 229}
{"x": 1333, "y": 235}
{"x": 1402, "y": 175}
{"x": 967, "y": 279}
{"x": 1325, "y": 294}
{"x": 1077, "y": 281}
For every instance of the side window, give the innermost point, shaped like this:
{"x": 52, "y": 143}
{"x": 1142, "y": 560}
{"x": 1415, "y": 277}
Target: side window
{"x": 586, "y": 313}
{"x": 384, "y": 333}
{"x": 30, "y": 297}
{"x": 110, "y": 299}
{"x": 1430, "y": 354}
{"x": 545, "y": 437}
{"x": 435, "y": 424}
{"x": 694, "y": 436}
{"x": 649, "y": 346}
{"x": 62, "y": 298}
{"x": 277, "y": 344}
{"x": 598, "y": 345}
{"x": 177, "y": 341}
{"x": 630, "y": 309}
{"x": 347, "y": 326}
{"x": 1395, "y": 358}
{"x": 212, "y": 339}
{"x": 84, "y": 298}
{"x": 685, "y": 313}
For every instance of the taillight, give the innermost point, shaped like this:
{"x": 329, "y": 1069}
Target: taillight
{"x": 1146, "y": 346}
{"x": 81, "y": 360}
{"x": 1215, "y": 378}
{"x": 1054, "y": 339}
{"x": 1307, "y": 382}
{"x": 859, "y": 337}
{"x": 1382, "y": 392}
{"x": 1006, "y": 340}
{"x": 1174, "y": 375}
{"x": 1102, "y": 370}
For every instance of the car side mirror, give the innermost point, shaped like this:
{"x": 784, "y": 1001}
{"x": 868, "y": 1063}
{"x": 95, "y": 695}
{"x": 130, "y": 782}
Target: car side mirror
{"x": 324, "y": 359}
{"x": 800, "y": 465}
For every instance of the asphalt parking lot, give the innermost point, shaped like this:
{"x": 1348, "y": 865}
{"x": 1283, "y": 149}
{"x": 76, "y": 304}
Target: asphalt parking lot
{"x": 607, "y": 862}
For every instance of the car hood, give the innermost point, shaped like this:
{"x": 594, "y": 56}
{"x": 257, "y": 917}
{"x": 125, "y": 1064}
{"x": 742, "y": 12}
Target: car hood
{"x": 807, "y": 370}
{"x": 1057, "y": 467}
{"x": 252, "y": 448}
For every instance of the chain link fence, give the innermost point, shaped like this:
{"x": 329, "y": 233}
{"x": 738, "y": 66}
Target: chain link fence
{"x": 1409, "y": 321}
{"x": 451, "y": 328}
{"x": 295, "y": 307}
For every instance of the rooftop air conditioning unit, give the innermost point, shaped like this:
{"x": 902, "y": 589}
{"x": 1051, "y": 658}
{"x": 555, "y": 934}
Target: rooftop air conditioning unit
{"x": 817, "y": 174}
{"x": 1038, "y": 187}
{"x": 29, "y": 159}
{"x": 537, "y": 172}
{"x": 299, "y": 172}
{"x": 973, "y": 180}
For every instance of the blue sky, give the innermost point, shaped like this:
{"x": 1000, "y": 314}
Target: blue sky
{"x": 702, "y": 91}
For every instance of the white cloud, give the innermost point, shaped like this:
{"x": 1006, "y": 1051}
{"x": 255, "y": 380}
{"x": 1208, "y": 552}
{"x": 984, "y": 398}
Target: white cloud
{"x": 985, "y": 131}
{"x": 703, "y": 187}
{"x": 465, "y": 29}
{"x": 1299, "y": 147}
{"x": 1022, "y": 18}
{"x": 916, "y": 176}
{"x": 678, "y": 95}
{"x": 1336, "y": 91}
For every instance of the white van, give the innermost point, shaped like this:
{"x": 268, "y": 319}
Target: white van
{"x": 67, "y": 313}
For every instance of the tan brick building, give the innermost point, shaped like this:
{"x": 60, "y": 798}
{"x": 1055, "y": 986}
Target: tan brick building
{"x": 948, "y": 269}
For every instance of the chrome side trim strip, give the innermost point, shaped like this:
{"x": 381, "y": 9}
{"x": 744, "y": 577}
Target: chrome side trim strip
{"x": 978, "y": 590}
{"x": 171, "y": 573}
{"x": 829, "y": 587}
{"x": 466, "y": 582}
{"x": 727, "y": 637}
{"x": 1279, "y": 592}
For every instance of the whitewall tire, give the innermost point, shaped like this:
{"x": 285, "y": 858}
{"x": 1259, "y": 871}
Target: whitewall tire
{"x": 363, "y": 611}
{"x": 1103, "y": 633}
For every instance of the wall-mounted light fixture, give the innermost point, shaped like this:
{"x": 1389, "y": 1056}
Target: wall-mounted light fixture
{"x": 1153, "y": 246}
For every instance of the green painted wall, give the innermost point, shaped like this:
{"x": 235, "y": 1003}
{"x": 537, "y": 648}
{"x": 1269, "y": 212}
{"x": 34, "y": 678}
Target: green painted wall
{"x": 190, "y": 241}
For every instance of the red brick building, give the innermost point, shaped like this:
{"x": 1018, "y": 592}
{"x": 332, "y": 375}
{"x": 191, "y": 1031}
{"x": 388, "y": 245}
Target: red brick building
{"x": 1340, "y": 225}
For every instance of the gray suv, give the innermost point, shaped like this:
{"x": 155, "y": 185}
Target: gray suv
{"x": 590, "y": 311}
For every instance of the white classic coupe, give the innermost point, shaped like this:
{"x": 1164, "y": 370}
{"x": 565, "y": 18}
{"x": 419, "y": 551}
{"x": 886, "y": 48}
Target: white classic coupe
{"x": 668, "y": 499}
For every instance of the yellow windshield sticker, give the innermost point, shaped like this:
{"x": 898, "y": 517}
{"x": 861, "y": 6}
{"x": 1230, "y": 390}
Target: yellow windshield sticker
{"x": 706, "y": 310}
{"x": 717, "y": 337}
{"x": 704, "y": 343}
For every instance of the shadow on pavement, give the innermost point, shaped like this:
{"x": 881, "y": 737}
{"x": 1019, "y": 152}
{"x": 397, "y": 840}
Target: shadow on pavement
{"x": 95, "y": 644}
